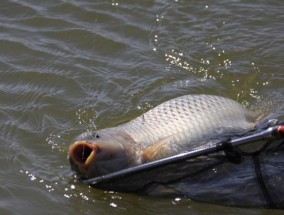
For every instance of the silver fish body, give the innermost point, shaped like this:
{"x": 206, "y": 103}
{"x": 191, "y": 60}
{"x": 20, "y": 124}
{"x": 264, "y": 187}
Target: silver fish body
{"x": 178, "y": 125}
{"x": 187, "y": 122}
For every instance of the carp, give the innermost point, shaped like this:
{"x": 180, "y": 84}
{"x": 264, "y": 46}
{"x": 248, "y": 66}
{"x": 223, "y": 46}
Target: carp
{"x": 179, "y": 125}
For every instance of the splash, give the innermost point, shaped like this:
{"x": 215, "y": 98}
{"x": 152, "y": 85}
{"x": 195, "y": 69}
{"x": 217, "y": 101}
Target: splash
{"x": 34, "y": 178}
{"x": 87, "y": 117}
{"x": 55, "y": 141}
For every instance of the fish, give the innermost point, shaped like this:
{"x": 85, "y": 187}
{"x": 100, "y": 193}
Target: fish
{"x": 178, "y": 125}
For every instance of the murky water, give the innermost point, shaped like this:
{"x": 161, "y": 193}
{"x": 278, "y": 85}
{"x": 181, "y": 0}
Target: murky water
{"x": 71, "y": 66}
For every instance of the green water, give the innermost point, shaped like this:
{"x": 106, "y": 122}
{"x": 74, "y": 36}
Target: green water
{"x": 71, "y": 66}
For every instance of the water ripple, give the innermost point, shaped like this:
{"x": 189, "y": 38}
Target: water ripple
{"x": 71, "y": 66}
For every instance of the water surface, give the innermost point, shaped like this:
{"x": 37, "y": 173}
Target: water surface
{"x": 71, "y": 66}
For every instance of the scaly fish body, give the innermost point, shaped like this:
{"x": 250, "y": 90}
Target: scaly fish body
{"x": 175, "y": 126}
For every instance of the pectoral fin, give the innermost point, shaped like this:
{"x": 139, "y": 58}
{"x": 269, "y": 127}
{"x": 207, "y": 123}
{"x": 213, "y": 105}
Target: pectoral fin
{"x": 157, "y": 151}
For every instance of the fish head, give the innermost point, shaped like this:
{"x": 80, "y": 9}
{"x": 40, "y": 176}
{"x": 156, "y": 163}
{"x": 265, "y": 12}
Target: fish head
{"x": 98, "y": 153}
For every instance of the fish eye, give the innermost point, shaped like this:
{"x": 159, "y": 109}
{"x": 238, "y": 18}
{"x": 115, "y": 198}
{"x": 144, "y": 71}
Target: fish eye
{"x": 95, "y": 135}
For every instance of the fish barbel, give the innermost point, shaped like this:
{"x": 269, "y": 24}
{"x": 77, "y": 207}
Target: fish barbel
{"x": 178, "y": 125}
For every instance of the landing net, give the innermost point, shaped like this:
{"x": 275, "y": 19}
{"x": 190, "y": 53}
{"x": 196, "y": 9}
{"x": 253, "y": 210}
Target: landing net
{"x": 246, "y": 171}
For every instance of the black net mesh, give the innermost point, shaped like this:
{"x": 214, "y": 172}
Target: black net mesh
{"x": 248, "y": 176}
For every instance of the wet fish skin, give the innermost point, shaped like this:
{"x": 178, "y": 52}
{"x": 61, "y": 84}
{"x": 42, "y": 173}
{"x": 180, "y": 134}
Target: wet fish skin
{"x": 175, "y": 126}
{"x": 112, "y": 151}
{"x": 187, "y": 121}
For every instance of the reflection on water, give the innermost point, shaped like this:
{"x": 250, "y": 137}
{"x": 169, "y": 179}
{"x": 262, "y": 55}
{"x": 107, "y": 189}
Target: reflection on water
{"x": 71, "y": 66}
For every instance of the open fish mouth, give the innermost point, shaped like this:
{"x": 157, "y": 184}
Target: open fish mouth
{"x": 83, "y": 154}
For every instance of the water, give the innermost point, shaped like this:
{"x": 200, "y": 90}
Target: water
{"x": 71, "y": 66}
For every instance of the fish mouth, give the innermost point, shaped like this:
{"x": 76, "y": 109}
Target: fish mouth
{"x": 83, "y": 155}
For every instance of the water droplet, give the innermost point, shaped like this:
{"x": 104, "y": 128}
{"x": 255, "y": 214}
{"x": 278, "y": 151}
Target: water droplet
{"x": 113, "y": 205}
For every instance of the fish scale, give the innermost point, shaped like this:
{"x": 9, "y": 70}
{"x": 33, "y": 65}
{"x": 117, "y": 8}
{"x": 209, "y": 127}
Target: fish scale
{"x": 189, "y": 118}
